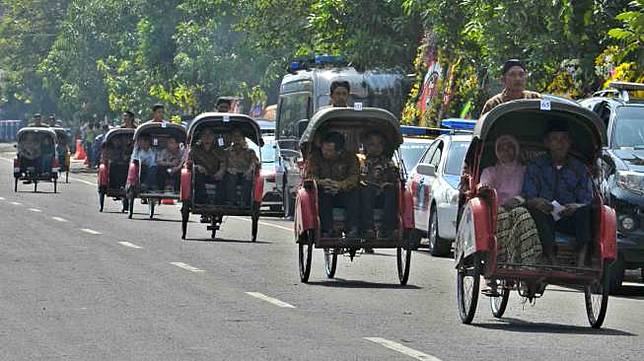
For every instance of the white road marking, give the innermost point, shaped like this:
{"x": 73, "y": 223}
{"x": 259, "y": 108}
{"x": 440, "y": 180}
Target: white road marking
{"x": 402, "y": 349}
{"x": 187, "y": 267}
{"x": 62, "y": 220}
{"x": 35, "y": 210}
{"x": 90, "y": 231}
{"x": 16, "y": 203}
{"x": 131, "y": 245}
{"x": 82, "y": 181}
{"x": 265, "y": 224}
{"x": 1, "y": 198}
{"x": 268, "y": 299}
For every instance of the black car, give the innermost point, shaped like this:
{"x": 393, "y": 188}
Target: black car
{"x": 623, "y": 171}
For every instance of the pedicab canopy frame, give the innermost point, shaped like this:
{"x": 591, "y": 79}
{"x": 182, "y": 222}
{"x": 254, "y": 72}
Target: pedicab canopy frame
{"x": 373, "y": 119}
{"x": 528, "y": 121}
{"x": 116, "y": 132}
{"x": 223, "y": 122}
{"x": 165, "y": 128}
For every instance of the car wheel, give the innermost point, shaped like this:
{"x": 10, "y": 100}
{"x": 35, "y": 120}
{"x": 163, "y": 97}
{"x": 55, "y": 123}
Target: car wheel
{"x": 616, "y": 275}
{"x": 437, "y": 246}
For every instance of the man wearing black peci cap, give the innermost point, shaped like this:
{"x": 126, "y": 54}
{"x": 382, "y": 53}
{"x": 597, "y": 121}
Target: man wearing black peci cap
{"x": 37, "y": 121}
{"x": 513, "y": 78}
{"x": 558, "y": 191}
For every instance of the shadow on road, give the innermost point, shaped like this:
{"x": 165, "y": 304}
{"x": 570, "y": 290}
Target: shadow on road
{"x": 222, "y": 240}
{"x": 516, "y": 325}
{"x": 343, "y": 283}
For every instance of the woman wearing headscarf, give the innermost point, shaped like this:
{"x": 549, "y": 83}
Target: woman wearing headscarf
{"x": 516, "y": 233}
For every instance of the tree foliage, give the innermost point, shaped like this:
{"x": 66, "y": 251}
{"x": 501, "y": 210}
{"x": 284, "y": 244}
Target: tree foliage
{"x": 79, "y": 58}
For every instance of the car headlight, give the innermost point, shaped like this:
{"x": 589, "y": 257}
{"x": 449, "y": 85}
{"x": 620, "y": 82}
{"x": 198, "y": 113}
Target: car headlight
{"x": 631, "y": 181}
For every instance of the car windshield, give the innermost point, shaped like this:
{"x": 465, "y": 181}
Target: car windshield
{"x": 411, "y": 152}
{"x": 268, "y": 151}
{"x": 455, "y": 158}
{"x": 629, "y": 127}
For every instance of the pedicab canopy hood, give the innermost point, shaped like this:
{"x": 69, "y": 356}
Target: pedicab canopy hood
{"x": 224, "y": 122}
{"x": 117, "y": 132}
{"x": 370, "y": 119}
{"x": 529, "y": 120}
{"x": 166, "y": 128}
{"x": 48, "y": 131}
{"x": 61, "y": 133}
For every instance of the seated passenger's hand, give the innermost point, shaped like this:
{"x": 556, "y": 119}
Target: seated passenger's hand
{"x": 512, "y": 203}
{"x": 569, "y": 210}
{"x": 541, "y": 204}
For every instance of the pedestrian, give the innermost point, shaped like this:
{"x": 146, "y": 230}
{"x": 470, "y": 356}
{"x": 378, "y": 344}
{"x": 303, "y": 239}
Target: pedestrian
{"x": 513, "y": 78}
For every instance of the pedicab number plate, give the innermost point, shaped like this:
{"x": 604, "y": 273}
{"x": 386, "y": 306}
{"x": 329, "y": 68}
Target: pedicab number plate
{"x": 545, "y": 104}
{"x": 221, "y": 142}
{"x": 357, "y": 106}
{"x": 164, "y": 125}
{"x": 155, "y": 142}
{"x": 226, "y": 118}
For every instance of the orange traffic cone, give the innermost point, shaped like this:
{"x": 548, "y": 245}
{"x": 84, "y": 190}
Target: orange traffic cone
{"x": 80, "y": 151}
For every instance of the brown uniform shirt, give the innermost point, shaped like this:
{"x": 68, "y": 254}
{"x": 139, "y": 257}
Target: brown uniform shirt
{"x": 379, "y": 171}
{"x": 213, "y": 160}
{"x": 240, "y": 159}
{"x": 504, "y": 98}
{"x": 344, "y": 169}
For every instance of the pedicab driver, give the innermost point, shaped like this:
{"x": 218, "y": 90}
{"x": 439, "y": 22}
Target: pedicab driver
{"x": 223, "y": 105}
{"x": 513, "y": 79}
{"x": 558, "y": 180}
{"x": 340, "y": 90}
{"x": 378, "y": 185}
{"x": 336, "y": 172}
{"x": 158, "y": 111}
{"x": 127, "y": 120}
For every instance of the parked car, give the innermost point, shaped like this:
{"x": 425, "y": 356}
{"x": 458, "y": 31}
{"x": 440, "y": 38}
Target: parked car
{"x": 433, "y": 183}
{"x": 622, "y": 168}
{"x": 412, "y": 149}
{"x": 272, "y": 198}
{"x": 266, "y": 126}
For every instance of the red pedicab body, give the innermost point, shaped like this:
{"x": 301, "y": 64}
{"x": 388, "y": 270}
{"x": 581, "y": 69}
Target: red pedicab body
{"x": 353, "y": 124}
{"x": 476, "y": 247}
{"x": 159, "y": 133}
{"x": 44, "y": 167}
{"x": 113, "y": 167}
{"x": 221, "y": 124}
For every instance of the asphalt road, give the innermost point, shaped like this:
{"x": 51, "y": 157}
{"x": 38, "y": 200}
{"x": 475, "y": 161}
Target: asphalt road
{"x": 77, "y": 284}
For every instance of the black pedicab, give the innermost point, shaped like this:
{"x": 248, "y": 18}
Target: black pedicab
{"x": 64, "y": 153}
{"x": 353, "y": 124}
{"x": 116, "y": 150}
{"x": 36, "y": 159}
{"x": 146, "y": 181}
{"x": 202, "y": 194}
{"x": 476, "y": 244}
